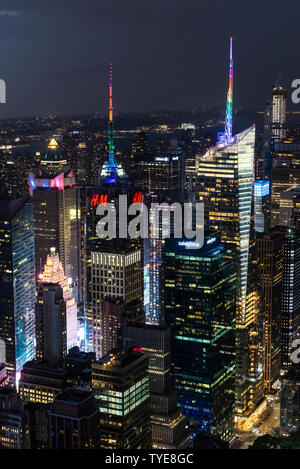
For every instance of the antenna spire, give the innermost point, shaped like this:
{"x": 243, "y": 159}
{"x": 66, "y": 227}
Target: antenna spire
{"x": 228, "y": 119}
{"x": 111, "y": 147}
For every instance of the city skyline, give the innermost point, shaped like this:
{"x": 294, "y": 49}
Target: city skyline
{"x": 181, "y": 333}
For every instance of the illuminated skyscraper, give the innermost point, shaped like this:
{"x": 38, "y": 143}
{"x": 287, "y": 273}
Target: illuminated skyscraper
{"x": 56, "y": 313}
{"x": 57, "y": 216}
{"x": 114, "y": 266}
{"x": 225, "y": 181}
{"x": 200, "y": 293}
{"x": 290, "y": 306}
{"x": 261, "y": 206}
{"x": 17, "y": 284}
{"x": 270, "y": 255}
{"x": 278, "y": 113}
{"x": 285, "y": 175}
{"x": 120, "y": 382}
{"x": 114, "y": 276}
{"x": 167, "y": 422}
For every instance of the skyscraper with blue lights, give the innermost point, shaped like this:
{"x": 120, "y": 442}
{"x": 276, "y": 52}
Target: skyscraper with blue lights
{"x": 17, "y": 283}
{"x": 200, "y": 291}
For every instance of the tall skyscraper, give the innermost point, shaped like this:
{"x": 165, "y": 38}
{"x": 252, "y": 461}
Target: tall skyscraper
{"x": 56, "y": 312}
{"x": 121, "y": 385}
{"x": 264, "y": 160}
{"x": 57, "y": 216}
{"x": 153, "y": 270}
{"x": 278, "y": 113}
{"x": 114, "y": 266}
{"x": 161, "y": 174}
{"x": 200, "y": 293}
{"x": 17, "y": 284}
{"x": 283, "y": 179}
{"x": 270, "y": 255}
{"x": 114, "y": 276}
{"x": 290, "y": 305}
{"x": 225, "y": 181}
{"x": 167, "y": 422}
{"x": 289, "y": 208}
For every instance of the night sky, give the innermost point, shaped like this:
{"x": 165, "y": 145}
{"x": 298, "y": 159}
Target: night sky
{"x": 166, "y": 54}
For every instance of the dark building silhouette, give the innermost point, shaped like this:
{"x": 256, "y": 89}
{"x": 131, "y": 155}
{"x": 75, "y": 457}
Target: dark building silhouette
{"x": 74, "y": 421}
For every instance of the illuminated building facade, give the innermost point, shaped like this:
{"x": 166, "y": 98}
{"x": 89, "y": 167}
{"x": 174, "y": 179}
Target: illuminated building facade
{"x": 51, "y": 333}
{"x": 286, "y": 155}
{"x": 225, "y": 182}
{"x": 270, "y": 255}
{"x": 17, "y": 284}
{"x": 290, "y": 307}
{"x": 159, "y": 174}
{"x": 141, "y": 145}
{"x": 114, "y": 276}
{"x": 3, "y": 376}
{"x": 56, "y": 312}
{"x": 283, "y": 179}
{"x": 167, "y": 422}
{"x": 11, "y": 419}
{"x": 120, "y": 382}
{"x": 278, "y": 113}
{"x": 200, "y": 294}
{"x": 225, "y": 178}
{"x": 263, "y": 164}
{"x": 153, "y": 271}
{"x": 40, "y": 382}
{"x": 289, "y": 210}
{"x": 57, "y": 216}
{"x": 261, "y": 206}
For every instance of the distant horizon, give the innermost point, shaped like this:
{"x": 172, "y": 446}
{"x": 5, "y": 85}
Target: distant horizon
{"x": 118, "y": 114}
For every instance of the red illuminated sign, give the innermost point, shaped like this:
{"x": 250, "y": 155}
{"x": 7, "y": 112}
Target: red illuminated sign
{"x": 137, "y": 199}
{"x": 101, "y": 199}
{"x": 98, "y": 199}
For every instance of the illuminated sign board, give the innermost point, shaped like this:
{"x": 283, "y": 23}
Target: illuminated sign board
{"x": 190, "y": 244}
{"x": 98, "y": 199}
{"x": 138, "y": 197}
{"x": 102, "y": 199}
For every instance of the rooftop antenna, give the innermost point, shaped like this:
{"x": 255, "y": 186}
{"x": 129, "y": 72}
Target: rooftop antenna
{"x": 228, "y": 118}
{"x": 111, "y": 148}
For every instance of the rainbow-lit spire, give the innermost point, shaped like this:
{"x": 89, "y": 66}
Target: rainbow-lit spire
{"x": 111, "y": 147}
{"x": 228, "y": 119}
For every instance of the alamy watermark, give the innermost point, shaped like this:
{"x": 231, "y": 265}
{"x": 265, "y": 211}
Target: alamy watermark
{"x": 162, "y": 221}
{"x": 296, "y": 93}
{"x": 2, "y": 92}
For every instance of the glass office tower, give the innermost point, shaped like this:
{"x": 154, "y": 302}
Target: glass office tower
{"x": 225, "y": 181}
{"x": 200, "y": 289}
{"x": 17, "y": 283}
